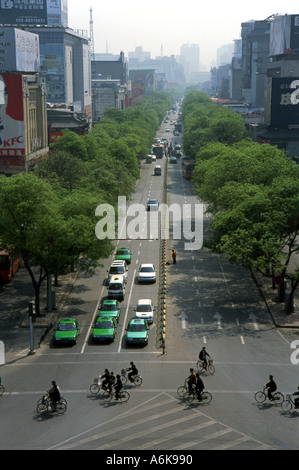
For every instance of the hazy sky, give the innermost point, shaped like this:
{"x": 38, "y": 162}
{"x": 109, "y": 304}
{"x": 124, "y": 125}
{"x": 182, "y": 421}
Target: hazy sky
{"x": 124, "y": 25}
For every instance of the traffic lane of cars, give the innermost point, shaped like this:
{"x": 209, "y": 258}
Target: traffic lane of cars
{"x": 121, "y": 254}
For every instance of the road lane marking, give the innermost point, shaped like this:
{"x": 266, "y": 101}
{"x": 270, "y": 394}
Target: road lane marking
{"x": 127, "y": 310}
{"x": 92, "y": 321}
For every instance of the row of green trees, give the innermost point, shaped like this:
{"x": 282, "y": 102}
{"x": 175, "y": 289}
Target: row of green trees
{"x": 252, "y": 191}
{"x": 48, "y": 215}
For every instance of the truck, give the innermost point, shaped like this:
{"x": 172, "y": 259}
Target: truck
{"x": 178, "y": 127}
{"x": 158, "y": 150}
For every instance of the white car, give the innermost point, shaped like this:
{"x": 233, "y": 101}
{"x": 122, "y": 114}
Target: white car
{"x": 145, "y": 310}
{"x": 152, "y": 204}
{"x": 147, "y": 273}
{"x": 118, "y": 267}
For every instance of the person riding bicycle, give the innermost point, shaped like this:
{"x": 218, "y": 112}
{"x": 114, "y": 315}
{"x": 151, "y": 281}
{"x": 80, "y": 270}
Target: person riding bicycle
{"x": 54, "y": 394}
{"x": 296, "y": 401}
{"x": 271, "y": 387}
{"x": 199, "y": 386}
{"x": 117, "y": 386}
{"x": 105, "y": 379}
{"x": 112, "y": 380}
{"x": 191, "y": 380}
{"x": 134, "y": 371}
{"x": 203, "y": 357}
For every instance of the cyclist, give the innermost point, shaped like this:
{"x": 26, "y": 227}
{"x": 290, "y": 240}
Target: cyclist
{"x": 111, "y": 381}
{"x": 117, "y": 386}
{"x": 105, "y": 379}
{"x": 199, "y": 386}
{"x": 203, "y": 357}
{"x": 296, "y": 401}
{"x": 134, "y": 371}
{"x": 54, "y": 394}
{"x": 191, "y": 380}
{"x": 271, "y": 387}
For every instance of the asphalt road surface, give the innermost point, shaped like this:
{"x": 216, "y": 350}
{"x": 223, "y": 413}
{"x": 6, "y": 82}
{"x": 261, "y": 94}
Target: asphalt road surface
{"x": 209, "y": 303}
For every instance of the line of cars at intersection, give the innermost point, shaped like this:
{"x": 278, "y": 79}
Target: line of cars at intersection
{"x": 105, "y": 326}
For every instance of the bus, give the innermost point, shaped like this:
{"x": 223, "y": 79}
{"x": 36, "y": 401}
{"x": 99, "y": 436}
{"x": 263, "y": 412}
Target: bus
{"x": 9, "y": 265}
{"x": 188, "y": 167}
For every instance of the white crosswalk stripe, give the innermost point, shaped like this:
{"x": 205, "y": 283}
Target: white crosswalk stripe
{"x": 160, "y": 423}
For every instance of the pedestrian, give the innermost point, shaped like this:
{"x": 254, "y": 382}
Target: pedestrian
{"x": 174, "y": 256}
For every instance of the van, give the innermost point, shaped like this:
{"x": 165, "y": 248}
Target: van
{"x": 118, "y": 267}
{"x": 158, "y": 170}
{"x": 117, "y": 287}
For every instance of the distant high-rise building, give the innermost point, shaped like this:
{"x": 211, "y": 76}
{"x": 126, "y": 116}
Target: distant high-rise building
{"x": 139, "y": 54}
{"x": 189, "y": 58}
{"x": 225, "y": 54}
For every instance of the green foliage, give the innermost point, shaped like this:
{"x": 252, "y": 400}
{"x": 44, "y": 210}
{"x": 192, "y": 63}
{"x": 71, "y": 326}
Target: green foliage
{"x": 252, "y": 190}
{"x": 206, "y": 122}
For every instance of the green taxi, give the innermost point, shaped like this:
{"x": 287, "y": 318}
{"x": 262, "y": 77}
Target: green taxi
{"x": 67, "y": 331}
{"x": 137, "y": 331}
{"x": 104, "y": 329}
{"x": 110, "y": 308}
{"x": 124, "y": 254}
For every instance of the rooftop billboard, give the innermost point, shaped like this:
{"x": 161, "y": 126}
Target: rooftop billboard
{"x": 283, "y": 102}
{"x": 284, "y": 35}
{"x": 19, "y": 51}
{"x": 34, "y": 12}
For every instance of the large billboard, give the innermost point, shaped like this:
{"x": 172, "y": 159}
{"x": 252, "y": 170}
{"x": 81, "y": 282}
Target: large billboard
{"x": 143, "y": 81}
{"x": 12, "y": 131}
{"x": 19, "y": 51}
{"x": 284, "y": 35}
{"x": 283, "y": 102}
{"x": 34, "y": 12}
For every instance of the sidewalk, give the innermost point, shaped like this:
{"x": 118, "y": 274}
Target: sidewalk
{"x": 46, "y": 321}
{"x": 275, "y": 308}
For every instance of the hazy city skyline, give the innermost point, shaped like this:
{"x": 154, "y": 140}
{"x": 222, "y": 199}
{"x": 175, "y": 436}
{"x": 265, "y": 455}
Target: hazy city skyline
{"x": 124, "y": 26}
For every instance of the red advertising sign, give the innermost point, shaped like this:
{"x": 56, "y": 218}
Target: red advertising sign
{"x": 12, "y": 132}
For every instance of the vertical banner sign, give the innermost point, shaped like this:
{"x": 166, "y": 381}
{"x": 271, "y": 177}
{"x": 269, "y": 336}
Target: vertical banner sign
{"x": 12, "y": 135}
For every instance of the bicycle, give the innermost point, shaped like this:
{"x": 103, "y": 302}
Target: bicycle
{"x": 123, "y": 396}
{"x": 261, "y": 396}
{"x": 96, "y": 386}
{"x": 288, "y": 404}
{"x": 183, "y": 389}
{"x": 41, "y": 400}
{"x": 209, "y": 367}
{"x": 204, "y": 397}
{"x": 137, "y": 379}
{"x": 2, "y": 389}
{"x": 46, "y": 405}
